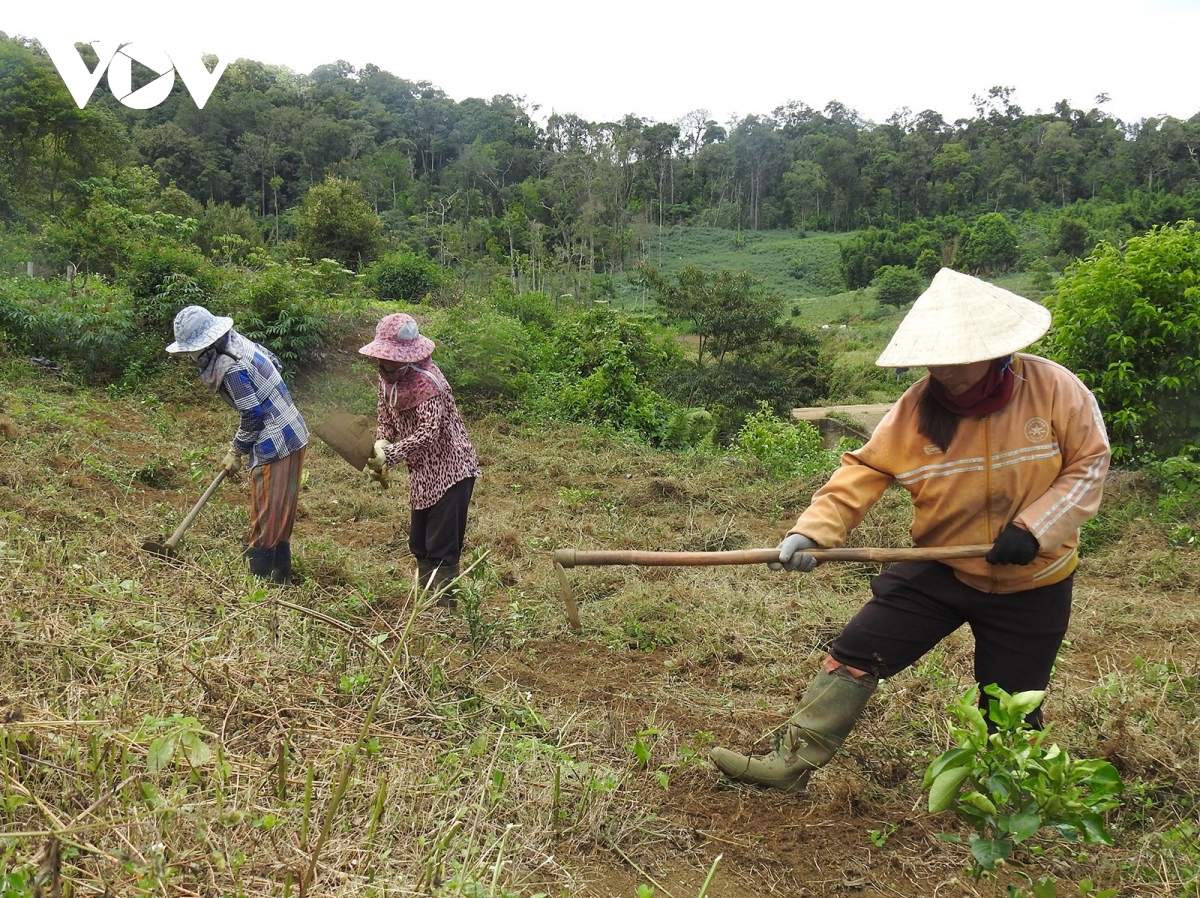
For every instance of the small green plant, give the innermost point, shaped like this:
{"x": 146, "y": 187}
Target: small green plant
{"x": 178, "y": 739}
{"x": 472, "y": 596}
{"x": 573, "y": 497}
{"x": 354, "y": 684}
{"x": 642, "y": 745}
{"x": 18, "y": 884}
{"x": 879, "y": 837}
{"x": 1010, "y": 783}
{"x": 1177, "y": 480}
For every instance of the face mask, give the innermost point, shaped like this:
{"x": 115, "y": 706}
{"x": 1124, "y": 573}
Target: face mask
{"x": 392, "y": 375}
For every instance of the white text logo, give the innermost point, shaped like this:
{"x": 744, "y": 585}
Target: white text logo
{"x": 118, "y": 59}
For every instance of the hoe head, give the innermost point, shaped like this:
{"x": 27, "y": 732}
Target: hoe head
{"x": 162, "y": 549}
{"x": 350, "y": 436}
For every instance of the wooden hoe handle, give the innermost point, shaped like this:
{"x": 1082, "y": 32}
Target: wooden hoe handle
{"x": 575, "y": 558}
{"x": 170, "y": 544}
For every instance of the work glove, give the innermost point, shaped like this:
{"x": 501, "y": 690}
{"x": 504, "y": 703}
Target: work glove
{"x": 376, "y": 468}
{"x": 378, "y": 461}
{"x": 232, "y": 462}
{"x": 792, "y": 554}
{"x": 1014, "y": 545}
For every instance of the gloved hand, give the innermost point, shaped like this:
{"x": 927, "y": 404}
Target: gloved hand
{"x": 232, "y": 462}
{"x": 380, "y": 477}
{"x": 792, "y": 556}
{"x": 1014, "y": 545}
{"x": 378, "y": 462}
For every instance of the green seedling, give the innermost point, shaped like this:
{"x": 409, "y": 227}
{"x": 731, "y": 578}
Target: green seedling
{"x": 1010, "y": 784}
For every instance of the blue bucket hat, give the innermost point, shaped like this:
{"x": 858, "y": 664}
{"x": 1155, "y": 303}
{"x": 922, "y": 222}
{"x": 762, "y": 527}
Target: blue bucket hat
{"x": 197, "y": 328}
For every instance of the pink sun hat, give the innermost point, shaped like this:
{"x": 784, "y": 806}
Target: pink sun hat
{"x": 398, "y": 340}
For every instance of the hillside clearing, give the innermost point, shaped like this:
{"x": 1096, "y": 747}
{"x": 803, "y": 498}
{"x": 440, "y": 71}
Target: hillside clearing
{"x": 506, "y": 756}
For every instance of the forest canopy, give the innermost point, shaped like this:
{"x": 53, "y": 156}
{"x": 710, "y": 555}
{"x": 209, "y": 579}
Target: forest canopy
{"x": 485, "y": 182}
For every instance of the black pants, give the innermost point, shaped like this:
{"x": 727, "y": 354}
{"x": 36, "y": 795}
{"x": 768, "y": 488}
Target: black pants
{"x": 436, "y": 534}
{"x": 918, "y": 604}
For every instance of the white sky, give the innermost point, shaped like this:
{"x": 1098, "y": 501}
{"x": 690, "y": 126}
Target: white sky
{"x": 659, "y": 60}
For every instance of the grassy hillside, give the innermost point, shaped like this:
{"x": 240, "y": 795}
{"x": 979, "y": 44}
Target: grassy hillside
{"x": 796, "y": 264}
{"x": 178, "y": 729}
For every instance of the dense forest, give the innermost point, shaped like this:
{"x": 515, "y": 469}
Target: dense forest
{"x": 484, "y": 182}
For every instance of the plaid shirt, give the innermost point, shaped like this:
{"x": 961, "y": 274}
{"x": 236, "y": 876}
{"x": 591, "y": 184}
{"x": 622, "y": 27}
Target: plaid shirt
{"x": 271, "y": 427}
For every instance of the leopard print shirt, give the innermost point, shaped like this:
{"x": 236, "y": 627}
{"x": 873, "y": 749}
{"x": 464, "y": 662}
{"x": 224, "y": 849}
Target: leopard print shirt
{"x": 431, "y": 439}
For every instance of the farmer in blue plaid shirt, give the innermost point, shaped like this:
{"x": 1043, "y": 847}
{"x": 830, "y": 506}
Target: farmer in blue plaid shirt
{"x": 270, "y": 438}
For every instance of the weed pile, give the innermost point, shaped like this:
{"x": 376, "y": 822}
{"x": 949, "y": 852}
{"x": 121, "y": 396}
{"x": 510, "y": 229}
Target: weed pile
{"x": 177, "y": 728}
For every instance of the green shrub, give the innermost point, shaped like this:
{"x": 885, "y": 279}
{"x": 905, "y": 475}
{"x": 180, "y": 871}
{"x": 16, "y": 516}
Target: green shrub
{"x": 482, "y": 352}
{"x": 897, "y": 285}
{"x": 152, "y": 265}
{"x": 1177, "y": 483}
{"x": 111, "y": 219}
{"x": 17, "y": 249}
{"x": 990, "y": 245}
{"x": 403, "y": 276}
{"x": 611, "y": 394}
{"x": 228, "y": 233}
{"x": 600, "y": 368}
{"x": 283, "y": 312}
{"x": 334, "y": 221}
{"x": 1010, "y": 783}
{"x": 88, "y": 329}
{"x": 928, "y": 264}
{"x": 1126, "y": 322}
{"x": 535, "y": 309}
{"x": 786, "y": 449}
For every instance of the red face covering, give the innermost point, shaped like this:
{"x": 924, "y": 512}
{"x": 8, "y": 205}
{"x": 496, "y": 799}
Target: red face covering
{"x": 989, "y": 395}
{"x": 409, "y": 386}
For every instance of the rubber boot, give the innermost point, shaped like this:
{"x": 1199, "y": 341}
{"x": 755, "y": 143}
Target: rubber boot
{"x": 425, "y": 569}
{"x": 281, "y": 570}
{"x": 831, "y": 706}
{"x": 262, "y": 561}
{"x": 444, "y": 586}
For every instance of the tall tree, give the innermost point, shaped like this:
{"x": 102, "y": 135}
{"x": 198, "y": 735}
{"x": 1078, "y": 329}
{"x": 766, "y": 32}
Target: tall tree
{"x": 728, "y": 310}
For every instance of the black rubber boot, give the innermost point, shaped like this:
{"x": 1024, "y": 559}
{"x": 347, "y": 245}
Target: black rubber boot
{"x": 444, "y": 586}
{"x": 425, "y": 569}
{"x": 262, "y": 561}
{"x": 281, "y": 570}
{"x": 831, "y": 706}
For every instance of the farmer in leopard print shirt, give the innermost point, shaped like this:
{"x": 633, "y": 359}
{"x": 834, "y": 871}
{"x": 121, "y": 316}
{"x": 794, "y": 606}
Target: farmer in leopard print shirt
{"x": 419, "y": 424}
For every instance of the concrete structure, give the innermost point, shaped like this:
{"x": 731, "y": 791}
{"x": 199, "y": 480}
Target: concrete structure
{"x": 849, "y": 420}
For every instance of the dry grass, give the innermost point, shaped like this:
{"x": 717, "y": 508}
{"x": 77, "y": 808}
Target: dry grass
{"x": 497, "y": 753}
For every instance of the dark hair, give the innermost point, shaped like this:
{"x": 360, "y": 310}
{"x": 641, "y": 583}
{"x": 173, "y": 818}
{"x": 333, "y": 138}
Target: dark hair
{"x": 935, "y": 422}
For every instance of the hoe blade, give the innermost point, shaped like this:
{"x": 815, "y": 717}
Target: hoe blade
{"x": 350, "y": 436}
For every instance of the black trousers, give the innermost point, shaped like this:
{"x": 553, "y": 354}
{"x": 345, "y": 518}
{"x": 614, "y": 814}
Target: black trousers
{"x": 436, "y": 534}
{"x": 915, "y": 605}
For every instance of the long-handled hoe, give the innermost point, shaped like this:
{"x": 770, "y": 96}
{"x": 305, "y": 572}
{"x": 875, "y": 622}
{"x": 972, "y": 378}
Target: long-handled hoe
{"x": 565, "y": 558}
{"x": 167, "y": 548}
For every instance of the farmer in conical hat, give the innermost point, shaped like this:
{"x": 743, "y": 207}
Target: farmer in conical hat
{"x": 420, "y": 425}
{"x": 271, "y": 437}
{"x": 996, "y": 447}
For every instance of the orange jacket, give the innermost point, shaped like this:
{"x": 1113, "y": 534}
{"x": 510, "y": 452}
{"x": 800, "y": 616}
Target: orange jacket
{"x": 1040, "y": 460}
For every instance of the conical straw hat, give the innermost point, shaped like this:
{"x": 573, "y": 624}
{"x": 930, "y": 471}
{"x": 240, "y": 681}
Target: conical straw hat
{"x": 961, "y": 319}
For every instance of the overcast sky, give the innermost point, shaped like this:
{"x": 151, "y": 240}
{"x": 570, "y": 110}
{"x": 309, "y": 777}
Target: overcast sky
{"x": 661, "y": 60}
